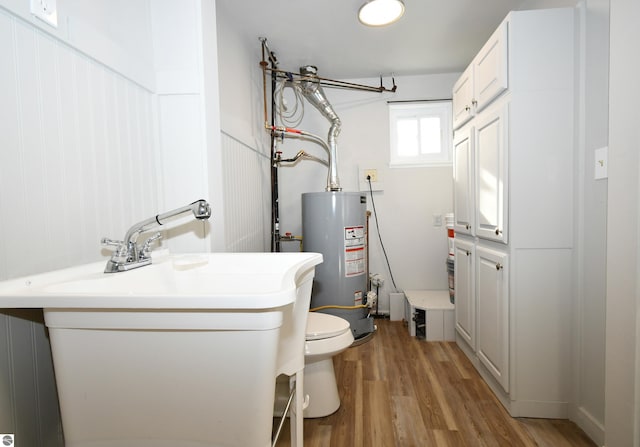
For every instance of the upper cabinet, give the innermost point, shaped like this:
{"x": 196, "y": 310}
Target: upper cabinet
{"x": 463, "y": 175}
{"x": 484, "y": 79}
{"x": 492, "y": 206}
{"x": 462, "y": 102}
{"x": 490, "y": 74}
{"x": 513, "y": 154}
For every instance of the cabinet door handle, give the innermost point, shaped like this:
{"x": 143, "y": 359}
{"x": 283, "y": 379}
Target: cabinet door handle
{"x": 498, "y": 266}
{"x": 468, "y": 253}
{"x": 498, "y": 232}
{"x": 467, "y": 108}
{"x": 474, "y": 102}
{"x": 467, "y": 226}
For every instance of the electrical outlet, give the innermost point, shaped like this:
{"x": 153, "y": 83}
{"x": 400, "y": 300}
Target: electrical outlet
{"x": 45, "y": 10}
{"x": 376, "y": 174}
{"x": 371, "y": 175}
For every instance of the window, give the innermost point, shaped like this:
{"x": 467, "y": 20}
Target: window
{"x": 420, "y": 133}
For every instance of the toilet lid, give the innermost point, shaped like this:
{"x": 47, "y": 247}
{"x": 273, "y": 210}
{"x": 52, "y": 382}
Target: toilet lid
{"x": 321, "y": 326}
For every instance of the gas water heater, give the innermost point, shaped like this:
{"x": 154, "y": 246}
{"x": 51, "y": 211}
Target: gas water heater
{"x": 334, "y": 224}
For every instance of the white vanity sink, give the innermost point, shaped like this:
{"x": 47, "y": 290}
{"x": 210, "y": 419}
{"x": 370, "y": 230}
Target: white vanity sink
{"x": 183, "y": 352}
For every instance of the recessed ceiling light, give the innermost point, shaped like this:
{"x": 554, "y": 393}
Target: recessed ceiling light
{"x": 380, "y": 12}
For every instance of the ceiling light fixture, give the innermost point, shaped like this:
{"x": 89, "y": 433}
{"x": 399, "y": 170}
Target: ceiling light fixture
{"x": 380, "y": 12}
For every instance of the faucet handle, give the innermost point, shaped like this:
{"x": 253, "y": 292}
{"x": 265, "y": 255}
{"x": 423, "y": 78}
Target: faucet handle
{"x": 107, "y": 241}
{"x": 147, "y": 244}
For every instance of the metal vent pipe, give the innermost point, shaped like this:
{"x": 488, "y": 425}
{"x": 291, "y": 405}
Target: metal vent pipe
{"x": 312, "y": 91}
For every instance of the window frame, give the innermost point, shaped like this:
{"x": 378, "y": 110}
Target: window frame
{"x": 422, "y": 109}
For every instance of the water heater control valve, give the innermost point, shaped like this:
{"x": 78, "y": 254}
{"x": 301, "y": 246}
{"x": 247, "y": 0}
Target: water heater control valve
{"x": 371, "y": 299}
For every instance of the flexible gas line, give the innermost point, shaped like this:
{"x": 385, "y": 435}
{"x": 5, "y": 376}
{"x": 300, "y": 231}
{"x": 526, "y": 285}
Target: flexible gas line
{"x": 288, "y": 237}
{"x": 335, "y": 306}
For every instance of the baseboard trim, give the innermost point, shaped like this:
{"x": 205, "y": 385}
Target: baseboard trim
{"x": 590, "y": 425}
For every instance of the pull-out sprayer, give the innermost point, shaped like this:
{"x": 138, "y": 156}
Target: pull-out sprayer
{"x": 129, "y": 255}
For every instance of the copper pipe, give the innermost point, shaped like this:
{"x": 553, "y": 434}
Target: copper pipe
{"x": 264, "y": 66}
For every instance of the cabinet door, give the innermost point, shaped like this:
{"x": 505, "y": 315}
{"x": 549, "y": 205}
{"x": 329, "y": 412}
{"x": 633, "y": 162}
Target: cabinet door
{"x": 490, "y": 69}
{"x": 464, "y": 284}
{"x": 463, "y": 98}
{"x": 463, "y": 181}
{"x": 492, "y": 294}
{"x": 491, "y": 173}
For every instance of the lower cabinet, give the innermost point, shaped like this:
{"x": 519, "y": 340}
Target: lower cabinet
{"x": 511, "y": 317}
{"x": 465, "y": 310}
{"x": 492, "y": 296}
{"x": 482, "y": 306}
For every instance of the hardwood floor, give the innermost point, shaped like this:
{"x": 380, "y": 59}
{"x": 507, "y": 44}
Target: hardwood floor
{"x": 400, "y": 391}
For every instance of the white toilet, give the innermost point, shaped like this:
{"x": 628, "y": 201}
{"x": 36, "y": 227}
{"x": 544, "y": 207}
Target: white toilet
{"x": 326, "y": 336}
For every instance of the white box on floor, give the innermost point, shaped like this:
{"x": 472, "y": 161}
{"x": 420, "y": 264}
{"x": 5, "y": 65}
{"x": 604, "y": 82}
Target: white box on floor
{"x": 396, "y": 306}
{"x": 439, "y": 320}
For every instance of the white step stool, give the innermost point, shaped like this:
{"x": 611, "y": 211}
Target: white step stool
{"x": 439, "y": 320}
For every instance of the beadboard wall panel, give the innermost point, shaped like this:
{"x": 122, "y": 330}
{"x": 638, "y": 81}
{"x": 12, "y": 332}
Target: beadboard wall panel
{"x": 76, "y": 163}
{"x": 77, "y": 153}
{"x": 246, "y": 201}
{"x": 184, "y": 167}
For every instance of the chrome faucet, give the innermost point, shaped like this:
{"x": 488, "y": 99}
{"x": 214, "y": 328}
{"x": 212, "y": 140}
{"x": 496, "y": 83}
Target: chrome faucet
{"x": 129, "y": 255}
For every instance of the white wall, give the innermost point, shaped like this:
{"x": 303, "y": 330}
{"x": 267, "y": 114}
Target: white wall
{"x": 116, "y": 33}
{"x": 183, "y": 119}
{"x": 588, "y": 313}
{"x": 417, "y": 250}
{"x": 591, "y": 206}
{"x": 622, "y": 410}
{"x": 245, "y": 143}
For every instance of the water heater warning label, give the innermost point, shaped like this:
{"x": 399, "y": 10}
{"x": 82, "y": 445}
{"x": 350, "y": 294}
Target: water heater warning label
{"x": 354, "y": 245}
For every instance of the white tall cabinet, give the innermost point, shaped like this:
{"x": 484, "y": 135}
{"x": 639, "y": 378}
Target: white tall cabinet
{"x": 513, "y": 202}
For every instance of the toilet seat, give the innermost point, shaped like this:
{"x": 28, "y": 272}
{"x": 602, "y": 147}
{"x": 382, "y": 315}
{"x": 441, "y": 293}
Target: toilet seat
{"x": 322, "y": 326}
{"x": 327, "y": 335}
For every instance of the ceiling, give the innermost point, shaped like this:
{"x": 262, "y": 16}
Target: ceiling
{"x": 434, "y": 36}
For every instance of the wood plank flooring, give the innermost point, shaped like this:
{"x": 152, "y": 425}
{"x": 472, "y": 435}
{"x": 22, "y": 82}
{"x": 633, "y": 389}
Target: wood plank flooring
{"x": 399, "y": 391}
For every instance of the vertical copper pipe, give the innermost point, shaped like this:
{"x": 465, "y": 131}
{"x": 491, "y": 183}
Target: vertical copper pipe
{"x": 263, "y": 64}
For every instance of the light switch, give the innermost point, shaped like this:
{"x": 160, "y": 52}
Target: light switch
{"x": 601, "y": 163}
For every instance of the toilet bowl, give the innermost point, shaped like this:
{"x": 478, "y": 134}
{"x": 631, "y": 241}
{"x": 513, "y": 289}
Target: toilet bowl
{"x": 326, "y": 336}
